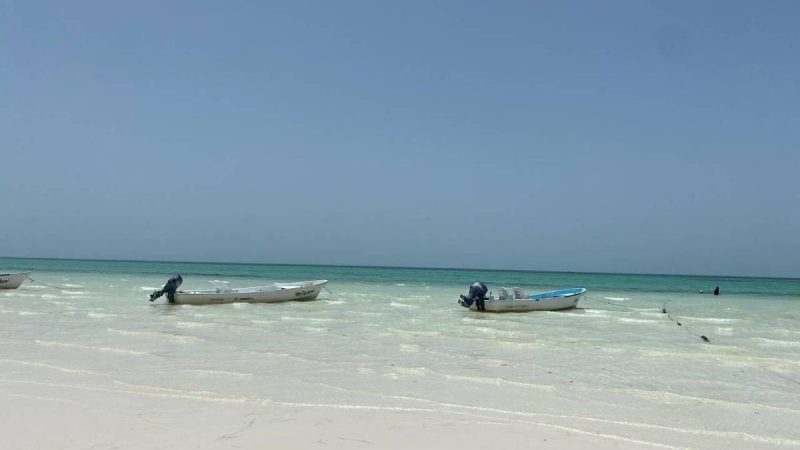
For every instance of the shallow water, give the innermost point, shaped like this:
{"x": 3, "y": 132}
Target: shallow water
{"x": 395, "y": 339}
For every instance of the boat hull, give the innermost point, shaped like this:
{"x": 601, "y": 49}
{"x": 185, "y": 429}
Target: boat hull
{"x": 12, "y": 280}
{"x": 279, "y": 292}
{"x": 546, "y": 301}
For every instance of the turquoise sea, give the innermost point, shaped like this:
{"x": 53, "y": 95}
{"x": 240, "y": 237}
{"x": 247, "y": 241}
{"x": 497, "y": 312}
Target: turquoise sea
{"x": 395, "y": 340}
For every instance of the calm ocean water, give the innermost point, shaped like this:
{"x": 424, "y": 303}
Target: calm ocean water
{"x": 395, "y": 338}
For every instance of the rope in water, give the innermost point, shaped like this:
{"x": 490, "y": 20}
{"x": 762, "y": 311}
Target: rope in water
{"x": 608, "y": 303}
{"x": 678, "y": 323}
{"x": 663, "y": 311}
{"x": 45, "y": 284}
{"x": 701, "y": 336}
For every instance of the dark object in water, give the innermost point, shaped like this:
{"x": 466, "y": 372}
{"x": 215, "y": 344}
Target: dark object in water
{"x": 716, "y": 290}
{"x": 170, "y": 288}
{"x": 477, "y": 293}
{"x": 705, "y": 339}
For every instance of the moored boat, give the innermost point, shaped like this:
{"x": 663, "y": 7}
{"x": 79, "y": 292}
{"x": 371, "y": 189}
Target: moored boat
{"x": 478, "y": 300}
{"x": 12, "y": 280}
{"x": 276, "y": 292}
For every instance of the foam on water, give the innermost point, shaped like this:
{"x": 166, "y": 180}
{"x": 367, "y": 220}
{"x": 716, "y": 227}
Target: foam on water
{"x": 401, "y": 332}
{"x": 591, "y": 314}
{"x": 307, "y": 319}
{"x": 32, "y": 287}
{"x": 161, "y": 336}
{"x": 633, "y": 320}
{"x": 401, "y": 305}
{"x": 724, "y": 331}
{"x": 220, "y": 373}
{"x": 49, "y": 366}
{"x": 262, "y": 322}
{"x": 711, "y": 319}
{"x": 776, "y": 342}
{"x": 70, "y": 345}
{"x": 19, "y": 294}
{"x": 97, "y": 315}
{"x": 186, "y": 324}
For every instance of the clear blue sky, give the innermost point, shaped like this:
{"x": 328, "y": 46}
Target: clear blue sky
{"x": 628, "y": 136}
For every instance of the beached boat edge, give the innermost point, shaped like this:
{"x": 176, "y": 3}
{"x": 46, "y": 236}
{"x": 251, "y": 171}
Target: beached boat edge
{"x": 12, "y": 280}
{"x": 277, "y": 292}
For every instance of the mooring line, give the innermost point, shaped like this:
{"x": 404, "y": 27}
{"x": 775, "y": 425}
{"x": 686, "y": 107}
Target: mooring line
{"x": 678, "y": 323}
{"x": 45, "y": 284}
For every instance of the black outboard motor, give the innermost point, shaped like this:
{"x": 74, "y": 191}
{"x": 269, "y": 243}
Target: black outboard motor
{"x": 477, "y": 293}
{"x": 170, "y": 288}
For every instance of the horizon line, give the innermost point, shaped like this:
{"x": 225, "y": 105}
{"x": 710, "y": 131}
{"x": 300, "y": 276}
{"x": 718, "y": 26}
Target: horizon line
{"x": 357, "y": 266}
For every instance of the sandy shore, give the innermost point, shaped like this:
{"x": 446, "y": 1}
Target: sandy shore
{"x": 96, "y": 420}
{"x": 63, "y": 413}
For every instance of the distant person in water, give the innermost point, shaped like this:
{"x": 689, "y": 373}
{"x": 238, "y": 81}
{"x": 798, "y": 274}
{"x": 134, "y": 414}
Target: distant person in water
{"x": 716, "y": 290}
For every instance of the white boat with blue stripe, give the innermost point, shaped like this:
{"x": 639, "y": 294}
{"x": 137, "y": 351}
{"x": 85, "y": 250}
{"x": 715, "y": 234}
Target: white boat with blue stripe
{"x": 518, "y": 300}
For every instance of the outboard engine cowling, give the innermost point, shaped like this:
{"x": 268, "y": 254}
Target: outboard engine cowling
{"x": 477, "y": 293}
{"x": 170, "y": 288}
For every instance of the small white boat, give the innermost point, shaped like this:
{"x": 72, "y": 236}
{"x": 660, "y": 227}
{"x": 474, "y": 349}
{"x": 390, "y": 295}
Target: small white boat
{"x": 12, "y": 280}
{"x": 520, "y": 301}
{"x": 277, "y": 292}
